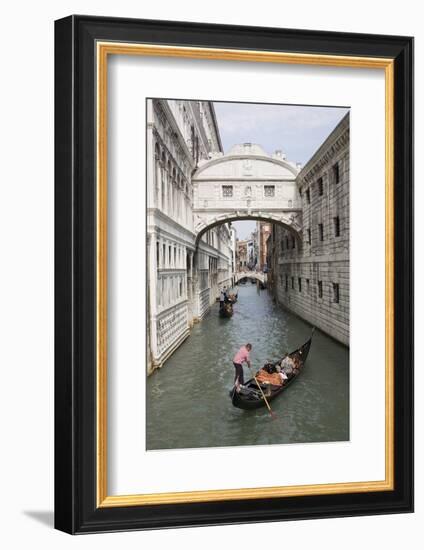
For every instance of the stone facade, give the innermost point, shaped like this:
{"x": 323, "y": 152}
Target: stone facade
{"x": 241, "y": 255}
{"x": 264, "y": 232}
{"x": 184, "y": 271}
{"x": 246, "y": 183}
{"x": 310, "y": 275}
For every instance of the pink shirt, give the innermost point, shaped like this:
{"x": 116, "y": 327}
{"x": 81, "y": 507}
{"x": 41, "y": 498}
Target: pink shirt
{"x": 241, "y": 355}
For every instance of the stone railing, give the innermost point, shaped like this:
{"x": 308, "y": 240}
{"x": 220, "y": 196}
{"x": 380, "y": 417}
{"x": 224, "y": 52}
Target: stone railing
{"x": 171, "y": 325}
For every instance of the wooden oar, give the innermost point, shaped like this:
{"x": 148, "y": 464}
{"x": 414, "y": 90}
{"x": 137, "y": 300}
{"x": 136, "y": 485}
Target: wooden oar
{"x": 274, "y": 416}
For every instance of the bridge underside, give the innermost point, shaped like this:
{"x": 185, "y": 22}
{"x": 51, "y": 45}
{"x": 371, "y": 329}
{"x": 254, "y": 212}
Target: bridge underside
{"x": 205, "y": 220}
{"x": 259, "y": 276}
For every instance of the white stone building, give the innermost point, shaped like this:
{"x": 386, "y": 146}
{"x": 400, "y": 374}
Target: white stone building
{"x": 310, "y": 275}
{"x": 246, "y": 183}
{"x": 185, "y": 269}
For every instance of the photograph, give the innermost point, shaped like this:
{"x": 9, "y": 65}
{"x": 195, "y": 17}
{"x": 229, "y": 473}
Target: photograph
{"x": 247, "y": 273}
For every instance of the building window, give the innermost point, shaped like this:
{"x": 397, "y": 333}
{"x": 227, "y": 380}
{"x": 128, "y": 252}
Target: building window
{"x": 164, "y": 255}
{"x": 309, "y": 235}
{"x": 287, "y": 242}
{"x": 192, "y": 141}
{"x": 319, "y": 289}
{"x": 307, "y": 286}
{"x": 287, "y": 283}
{"x": 299, "y": 282}
{"x": 336, "y": 293}
{"x": 292, "y": 282}
{"x": 227, "y": 190}
{"x": 269, "y": 190}
{"x": 293, "y": 242}
{"x": 308, "y": 196}
{"x": 320, "y": 187}
{"x": 157, "y": 255}
{"x": 321, "y": 231}
{"x": 336, "y": 222}
{"x": 282, "y": 245}
{"x": 169, "y": 258}
{"x": 336, "y": 172}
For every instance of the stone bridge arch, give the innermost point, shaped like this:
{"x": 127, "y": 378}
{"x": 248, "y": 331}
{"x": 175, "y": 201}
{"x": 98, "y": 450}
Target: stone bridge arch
{"x": 290, "y": 221}
{"x": 246, "y": 184}
{"x": 258, "y": 275}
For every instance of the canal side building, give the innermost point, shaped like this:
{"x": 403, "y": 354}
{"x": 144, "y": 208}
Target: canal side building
{"x": 184, "y": 271}
{"x": 241, "y": 255}
{"x": 310, "y": 274}
{"x": 264, "y": 232}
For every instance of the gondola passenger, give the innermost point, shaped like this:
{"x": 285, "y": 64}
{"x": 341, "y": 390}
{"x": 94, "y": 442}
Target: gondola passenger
{"x": 287, "y": 365}
{"x": 283, "y": 377}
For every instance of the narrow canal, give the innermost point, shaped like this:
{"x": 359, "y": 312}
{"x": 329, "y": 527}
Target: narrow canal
{"x": 188, "y": 403}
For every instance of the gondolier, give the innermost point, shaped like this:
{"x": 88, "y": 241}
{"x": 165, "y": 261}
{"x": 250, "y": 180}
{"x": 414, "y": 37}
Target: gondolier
{"x": 243, "y": 355}
{"x": 221, "y": 299}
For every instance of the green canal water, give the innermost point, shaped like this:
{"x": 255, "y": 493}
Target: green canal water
{"x": 188, "y": 405}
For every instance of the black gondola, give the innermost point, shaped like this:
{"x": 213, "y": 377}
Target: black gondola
{"x": 226, "y": 310}
{"x": 250, "y": 396}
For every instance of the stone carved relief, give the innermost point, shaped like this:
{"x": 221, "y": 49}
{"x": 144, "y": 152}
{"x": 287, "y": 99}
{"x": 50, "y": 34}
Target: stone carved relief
{"x": 247, "y": 167}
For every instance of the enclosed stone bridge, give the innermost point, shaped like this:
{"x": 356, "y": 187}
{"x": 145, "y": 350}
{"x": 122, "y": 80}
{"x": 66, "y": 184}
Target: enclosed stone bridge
{"x": 246, "y": 183}
{"x": 258, "y": 275}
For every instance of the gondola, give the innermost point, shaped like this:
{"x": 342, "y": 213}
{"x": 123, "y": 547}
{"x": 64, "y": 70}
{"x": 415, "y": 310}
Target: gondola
{"x": 233, "y": 298}
{"x": 226, "y": 310}
{"x": 250, "y": 396}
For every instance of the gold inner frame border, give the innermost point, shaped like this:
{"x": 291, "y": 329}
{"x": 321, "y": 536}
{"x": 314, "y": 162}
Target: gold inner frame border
{"x": 103, "y": 50}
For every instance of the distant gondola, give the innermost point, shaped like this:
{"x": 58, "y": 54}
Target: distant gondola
{"x": 233, "y": 298}
{"x": 250, "y": 396}
{"x": 226, "y": 310}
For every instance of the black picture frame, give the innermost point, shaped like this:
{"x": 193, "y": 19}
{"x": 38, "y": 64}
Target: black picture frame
{"x": 76, "y": 508}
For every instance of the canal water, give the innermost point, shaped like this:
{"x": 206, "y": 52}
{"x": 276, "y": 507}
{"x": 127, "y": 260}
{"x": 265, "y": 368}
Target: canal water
{"x": 188, "y": 403}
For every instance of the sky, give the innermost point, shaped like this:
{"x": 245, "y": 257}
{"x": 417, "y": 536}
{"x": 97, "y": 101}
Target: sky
{"x": 295, "y": 129}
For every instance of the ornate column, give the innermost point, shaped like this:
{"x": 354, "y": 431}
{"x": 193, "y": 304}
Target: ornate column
{"x": 158, "y": 183}
{"x": 152, "y": 274}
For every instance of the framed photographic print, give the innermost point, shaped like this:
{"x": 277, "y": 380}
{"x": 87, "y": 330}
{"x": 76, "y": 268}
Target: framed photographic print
{"x": 233, "y": 271}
